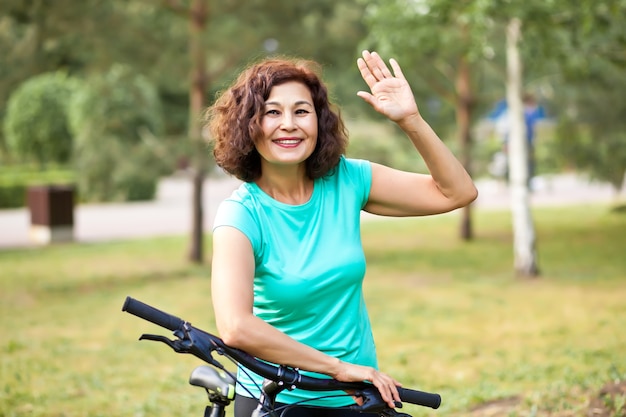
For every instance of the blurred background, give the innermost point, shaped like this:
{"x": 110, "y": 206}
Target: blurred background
{"x": 104, "y": 99}
{"x": 90, "y": 85}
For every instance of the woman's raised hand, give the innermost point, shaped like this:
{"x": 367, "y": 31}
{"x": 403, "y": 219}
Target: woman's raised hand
{"x": 390, "y": 94}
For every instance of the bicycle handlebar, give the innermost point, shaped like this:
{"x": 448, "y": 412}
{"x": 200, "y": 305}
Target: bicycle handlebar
{"x": 151, "y": 314}
{"x": 205, "y": 343}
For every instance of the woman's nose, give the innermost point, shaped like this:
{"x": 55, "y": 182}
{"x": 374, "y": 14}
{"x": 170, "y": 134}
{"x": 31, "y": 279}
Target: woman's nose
{"x": 287, "y": 122}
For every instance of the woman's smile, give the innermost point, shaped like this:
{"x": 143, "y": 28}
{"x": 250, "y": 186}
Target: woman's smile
{"x": 287, "y": 142}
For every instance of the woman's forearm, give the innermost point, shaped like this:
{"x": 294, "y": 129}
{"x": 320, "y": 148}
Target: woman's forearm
{"x": 446, "y": 170}
{"x": 263, "y": 341}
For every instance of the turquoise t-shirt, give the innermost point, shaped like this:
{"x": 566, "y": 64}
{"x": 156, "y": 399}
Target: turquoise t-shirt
{"x": 310, "y": 267}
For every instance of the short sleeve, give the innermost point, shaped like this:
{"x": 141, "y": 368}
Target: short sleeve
{"x": 357, "y": 173}
{"x": 235, "y": 214}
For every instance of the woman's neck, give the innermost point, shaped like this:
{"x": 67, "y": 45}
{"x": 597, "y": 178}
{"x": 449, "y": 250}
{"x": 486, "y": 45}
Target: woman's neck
{"x": 289, "y": 185}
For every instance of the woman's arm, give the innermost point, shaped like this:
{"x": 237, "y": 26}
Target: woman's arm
{"x": 399, "y": 193}
{"x": 232, "y": 294}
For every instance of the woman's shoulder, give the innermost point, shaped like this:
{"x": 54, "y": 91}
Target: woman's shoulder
{"x": 353, "y": 176}
{"x": 241, "y": 200}
{"x": 352, "y": 168}
{"x": 354, "y": 163}
{"x": 240, "y": 211}
{"x": 247, "y": 194}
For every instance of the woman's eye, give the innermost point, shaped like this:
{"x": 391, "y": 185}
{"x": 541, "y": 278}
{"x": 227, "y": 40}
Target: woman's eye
{"x": 273, "y": 112}
{"x": 302, "y": 111}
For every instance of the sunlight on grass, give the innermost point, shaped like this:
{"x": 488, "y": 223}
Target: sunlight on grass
{"x": 449, "y": 316}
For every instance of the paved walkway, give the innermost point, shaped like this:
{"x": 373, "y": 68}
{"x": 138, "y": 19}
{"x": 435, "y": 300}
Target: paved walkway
{"x": 170, "y": 213}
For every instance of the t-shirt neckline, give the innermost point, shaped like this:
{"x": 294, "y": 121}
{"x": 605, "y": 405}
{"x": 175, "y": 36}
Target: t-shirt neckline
{"x": 266, "y": 197}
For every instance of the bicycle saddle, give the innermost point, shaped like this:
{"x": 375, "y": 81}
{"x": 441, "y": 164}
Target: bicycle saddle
{"x": 214, "y": 381}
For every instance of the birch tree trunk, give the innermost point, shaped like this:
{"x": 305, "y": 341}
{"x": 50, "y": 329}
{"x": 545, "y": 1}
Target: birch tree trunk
{"x": 525, "y": 262}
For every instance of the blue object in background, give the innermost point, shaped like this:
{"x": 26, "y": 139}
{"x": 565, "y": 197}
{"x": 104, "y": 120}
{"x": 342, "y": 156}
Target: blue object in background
{"x": 532, "y": 114}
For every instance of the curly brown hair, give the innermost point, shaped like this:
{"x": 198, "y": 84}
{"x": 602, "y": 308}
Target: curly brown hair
{"x": 234, "y": 121}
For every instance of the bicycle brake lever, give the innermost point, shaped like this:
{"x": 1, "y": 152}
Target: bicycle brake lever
{"x": 182, "y": 345}
{"x": 373, "y": 402}
{"x": 178, "y": 346}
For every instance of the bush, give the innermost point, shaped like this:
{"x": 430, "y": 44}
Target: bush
{"x": 12, "y": 195}
{"x": 118, "y": 172}
{"x": 35, "y": 125}
{"x": 110, "y": 117}
{"x": 117, "y": 104}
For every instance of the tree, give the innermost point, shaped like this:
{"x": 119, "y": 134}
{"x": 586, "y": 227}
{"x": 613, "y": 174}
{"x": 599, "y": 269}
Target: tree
{"x": 155, "y": 39}
{"x": 38, "y": 36}
{"x": 198, "y": 83}
{"x": 265, "y": 18}
{"x": 525, "y": 257}
{"x": 591, "y": 87}
{"x": 453, "y": 39}
{"x": 550, "y": 30}
{"x": 591, "y": 133}
{"x": 442, "y": 40}
{"x": 197, "y": 15}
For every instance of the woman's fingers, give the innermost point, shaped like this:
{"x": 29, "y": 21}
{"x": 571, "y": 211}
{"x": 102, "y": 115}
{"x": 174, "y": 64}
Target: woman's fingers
{"x": 373, "y": 69}
{"x": 386, "y": 385}
{"x": 396, "y": 68}
{"x": 377, "y": 65}
{"x": 366, "y": 73}
{"x": 388, "y": 388}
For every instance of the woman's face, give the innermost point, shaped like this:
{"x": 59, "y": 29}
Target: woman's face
{"x": 289, "y": 125}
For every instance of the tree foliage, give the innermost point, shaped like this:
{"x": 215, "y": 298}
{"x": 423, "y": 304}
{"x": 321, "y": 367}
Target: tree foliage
{"x": 562, "y": 39}
{"x": 439, "y": 44}
{"x": 37, "y": 37}
{"x": 571, "y": 51}
{"x": 589, "y": 91}
{"x": 591, "y": 134}
{"x": 152, "y": 37}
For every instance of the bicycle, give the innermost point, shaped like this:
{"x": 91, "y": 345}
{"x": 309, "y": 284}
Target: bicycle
{"x": 220, "y": 383}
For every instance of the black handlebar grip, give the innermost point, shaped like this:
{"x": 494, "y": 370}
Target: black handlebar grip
{"x": 422, "y": 398}
{"x": 156, "y": 316}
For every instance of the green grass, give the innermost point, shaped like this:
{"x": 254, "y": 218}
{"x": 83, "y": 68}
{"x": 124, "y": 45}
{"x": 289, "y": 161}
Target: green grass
{"x": 449, "y": 316}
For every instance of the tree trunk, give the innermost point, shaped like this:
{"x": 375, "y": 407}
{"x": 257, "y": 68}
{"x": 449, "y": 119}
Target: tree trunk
{"x": 464, "y": 103}
{"x": 198, "y": 79}
{"x": 525, "y": 262}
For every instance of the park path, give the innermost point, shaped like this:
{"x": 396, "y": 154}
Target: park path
{"x": 170, "y": 212}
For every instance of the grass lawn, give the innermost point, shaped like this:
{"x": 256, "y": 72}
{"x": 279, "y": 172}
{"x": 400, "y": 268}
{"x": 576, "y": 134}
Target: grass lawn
{"x": 449, "y": 316}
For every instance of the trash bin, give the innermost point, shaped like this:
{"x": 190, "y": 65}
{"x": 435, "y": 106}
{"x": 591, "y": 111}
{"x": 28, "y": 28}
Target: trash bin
{"x": 51, "y": 213}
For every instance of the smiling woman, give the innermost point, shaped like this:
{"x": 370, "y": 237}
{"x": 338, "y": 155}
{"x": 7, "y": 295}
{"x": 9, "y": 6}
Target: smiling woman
{"x": 288, "y": 263}
{"x": 240, "y": 117}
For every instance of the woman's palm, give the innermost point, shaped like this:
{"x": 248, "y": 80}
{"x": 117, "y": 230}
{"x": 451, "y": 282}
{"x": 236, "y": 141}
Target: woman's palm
{"x": 393, "y": 98}
{"x": 390, "y": 94}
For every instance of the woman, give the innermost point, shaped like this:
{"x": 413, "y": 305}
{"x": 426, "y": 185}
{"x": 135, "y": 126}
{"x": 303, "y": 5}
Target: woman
{"x": 288, "y": 264}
